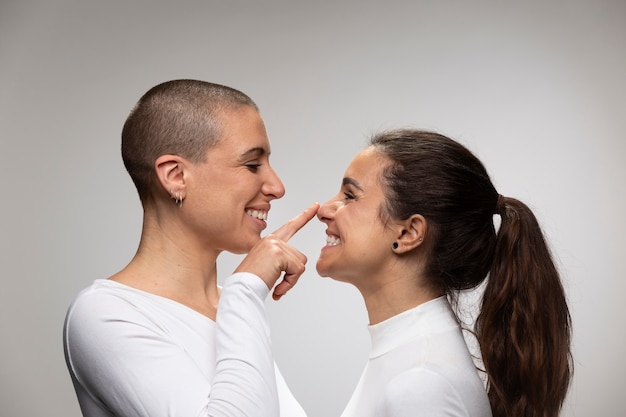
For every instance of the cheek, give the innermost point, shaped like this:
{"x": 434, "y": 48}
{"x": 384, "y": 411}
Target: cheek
{"x": 370, "y": 240}
{"x": 368, "y": 248}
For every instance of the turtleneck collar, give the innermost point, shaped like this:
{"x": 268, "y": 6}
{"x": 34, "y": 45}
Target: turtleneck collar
{"x": 430, "y": 317}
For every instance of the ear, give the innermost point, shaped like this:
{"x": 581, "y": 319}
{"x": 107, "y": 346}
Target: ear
{"x": 171, "y": 172}
{"x": 411, "y": 234}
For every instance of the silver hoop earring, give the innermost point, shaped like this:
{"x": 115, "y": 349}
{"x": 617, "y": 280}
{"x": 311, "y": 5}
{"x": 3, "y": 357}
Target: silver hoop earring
{"x": 178, "y": 200}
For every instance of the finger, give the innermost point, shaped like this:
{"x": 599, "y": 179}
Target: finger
{"x": 287, "y": 283}
{"x": 293, "y": 271}
{"x": 286, "y": 231}
{"x": 281, "y": 289}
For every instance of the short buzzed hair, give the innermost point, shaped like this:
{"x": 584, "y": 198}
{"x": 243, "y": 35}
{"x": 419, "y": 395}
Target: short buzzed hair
{"x": 178, "y": 117}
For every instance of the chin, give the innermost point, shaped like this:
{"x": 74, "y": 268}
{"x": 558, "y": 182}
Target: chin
{"x": 243, "y": 247}
{"x": 323, "y": 270}
{"x": 322, "y": 274}
{"x": 327, "y": 271}
{"x": 239, "y": 251}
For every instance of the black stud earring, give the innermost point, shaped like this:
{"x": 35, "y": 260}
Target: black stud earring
{"x": 394, "y": 246}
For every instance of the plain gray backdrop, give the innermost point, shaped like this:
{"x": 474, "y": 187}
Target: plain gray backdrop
{"x": 536, "y": 89}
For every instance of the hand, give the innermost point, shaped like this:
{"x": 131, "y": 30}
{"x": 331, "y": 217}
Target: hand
{"x": 272, "y": 255}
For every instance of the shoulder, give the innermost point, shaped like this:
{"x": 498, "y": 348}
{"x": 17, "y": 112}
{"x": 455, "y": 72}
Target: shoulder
{"x": 106, "y": 311}
{"x": 109, "y": 323}
{"x": 425, "y": 391}
{"x": 99, "y": 300}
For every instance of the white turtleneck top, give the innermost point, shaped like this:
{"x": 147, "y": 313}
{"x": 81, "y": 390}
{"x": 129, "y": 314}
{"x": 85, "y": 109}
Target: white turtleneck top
{"x": 419, "y": 365}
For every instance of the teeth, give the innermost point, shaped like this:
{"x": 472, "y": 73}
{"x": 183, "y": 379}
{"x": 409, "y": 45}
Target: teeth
{"x": 332, "y": 240}
{"x": 257, "y": 214}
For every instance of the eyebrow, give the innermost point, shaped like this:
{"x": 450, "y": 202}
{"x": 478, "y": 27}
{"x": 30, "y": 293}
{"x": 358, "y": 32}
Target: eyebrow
{"x": 253, "y": 152}
{"x": 351, "y": 181}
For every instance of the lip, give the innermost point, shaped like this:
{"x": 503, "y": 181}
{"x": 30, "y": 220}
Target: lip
{"x": 264, "y": 208}
{"x": 335, "y": 236}
{"x": 260, "y": 207}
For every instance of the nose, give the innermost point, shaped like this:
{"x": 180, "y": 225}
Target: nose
{"x": 326, "y": 211}
{"x": 273, "y": 186}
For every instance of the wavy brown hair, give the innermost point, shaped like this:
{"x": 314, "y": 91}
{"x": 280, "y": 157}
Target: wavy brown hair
{"x": 524, "y": 324}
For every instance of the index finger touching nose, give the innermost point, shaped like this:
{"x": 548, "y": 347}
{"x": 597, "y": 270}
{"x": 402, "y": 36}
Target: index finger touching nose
{"x": 286, "y": 231}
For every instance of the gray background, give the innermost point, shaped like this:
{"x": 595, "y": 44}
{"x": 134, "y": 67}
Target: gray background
{"x": 536, "y": 89}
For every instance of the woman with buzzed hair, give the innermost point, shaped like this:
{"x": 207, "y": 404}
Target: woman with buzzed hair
{"x": 160, "y": 338}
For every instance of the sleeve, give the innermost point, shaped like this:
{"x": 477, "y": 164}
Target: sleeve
{"x": 126, "y": 364}
{"x": 245, "y": 381}
{"x": 422, "y": 393}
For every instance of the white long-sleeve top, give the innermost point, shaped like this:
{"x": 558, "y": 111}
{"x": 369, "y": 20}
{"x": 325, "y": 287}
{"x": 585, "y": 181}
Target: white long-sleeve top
{"x": 135, "y": 354}
{"x": 419, "y": 365}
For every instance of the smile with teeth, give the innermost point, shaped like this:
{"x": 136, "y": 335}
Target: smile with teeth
{"x": 257, "y": 214}
{"x": 332, "y": 240}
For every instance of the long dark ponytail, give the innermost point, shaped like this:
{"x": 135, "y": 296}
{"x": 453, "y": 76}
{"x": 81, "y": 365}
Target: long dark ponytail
{"x": 524, "y": 325}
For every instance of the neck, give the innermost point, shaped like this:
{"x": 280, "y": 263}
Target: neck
{"x": 169, "y": 264}
{"x": 395, "y": 295}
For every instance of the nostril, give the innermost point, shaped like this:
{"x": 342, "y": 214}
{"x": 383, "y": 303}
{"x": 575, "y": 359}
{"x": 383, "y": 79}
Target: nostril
{"x": 323, "y": 218}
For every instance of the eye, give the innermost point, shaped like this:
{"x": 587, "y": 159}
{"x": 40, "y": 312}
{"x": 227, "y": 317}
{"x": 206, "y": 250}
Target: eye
{"x": 348, "y": 195}
{"x": 253, "y": 167}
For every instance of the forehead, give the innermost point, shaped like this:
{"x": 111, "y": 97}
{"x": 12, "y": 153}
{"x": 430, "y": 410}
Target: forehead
{"x": 242, "y": 130}
{"x": 367, "y": 166}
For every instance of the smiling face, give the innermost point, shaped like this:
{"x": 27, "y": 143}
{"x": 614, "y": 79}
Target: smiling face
{"x": 228, "y": 197}
{"x": 358, "y": 242}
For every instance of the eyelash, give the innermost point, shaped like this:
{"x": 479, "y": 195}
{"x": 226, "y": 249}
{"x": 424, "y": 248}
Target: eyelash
{"x": 349, "y": 196}
{"x": 253, "y": 167}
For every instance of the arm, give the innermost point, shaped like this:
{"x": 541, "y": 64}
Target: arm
{"x": 245, "y": 380}
{"x": 245, "y": 383}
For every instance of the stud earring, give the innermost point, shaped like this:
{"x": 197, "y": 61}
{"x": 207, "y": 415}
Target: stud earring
{"x": 394, "y": 245}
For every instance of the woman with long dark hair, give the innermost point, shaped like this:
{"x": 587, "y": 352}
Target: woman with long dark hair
{"x": 412, "y": 227}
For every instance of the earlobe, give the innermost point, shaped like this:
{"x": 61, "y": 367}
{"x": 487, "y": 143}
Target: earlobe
{"x": 412, "y": 234}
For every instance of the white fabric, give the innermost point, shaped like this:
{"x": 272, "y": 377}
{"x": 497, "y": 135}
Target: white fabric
{"x": 135, "y": 354}
{"x": 419, "y": 365}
